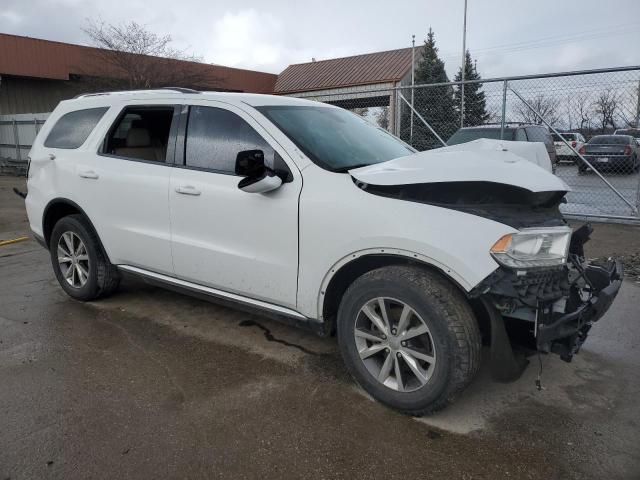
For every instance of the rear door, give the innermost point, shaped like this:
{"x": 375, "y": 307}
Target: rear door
{"x": 222, "y": 237}
{"x": 124, "y": 184}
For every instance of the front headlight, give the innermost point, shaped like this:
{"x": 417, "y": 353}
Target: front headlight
{"x": 533, "y": 247}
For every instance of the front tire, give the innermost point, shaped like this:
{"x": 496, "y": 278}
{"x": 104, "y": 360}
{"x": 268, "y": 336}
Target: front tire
{"x": 80, "y": 265}
{"x": 409, "y": 338}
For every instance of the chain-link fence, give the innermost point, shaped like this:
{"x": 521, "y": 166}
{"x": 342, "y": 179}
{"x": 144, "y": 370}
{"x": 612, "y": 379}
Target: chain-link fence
{"x": 17, "y": 133}
{"x": 589, "y": 122}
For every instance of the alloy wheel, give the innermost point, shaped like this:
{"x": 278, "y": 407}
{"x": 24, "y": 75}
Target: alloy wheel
{"x": 394, "y": 344}
{"x": 73, "y": 259}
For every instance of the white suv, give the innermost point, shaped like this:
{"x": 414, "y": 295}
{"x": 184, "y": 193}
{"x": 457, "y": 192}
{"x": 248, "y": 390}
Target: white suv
{"x": 563, "y": 152}
{"x": 306, "y": 211}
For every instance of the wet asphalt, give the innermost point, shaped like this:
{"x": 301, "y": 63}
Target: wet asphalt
{"x": 153, "y": 384}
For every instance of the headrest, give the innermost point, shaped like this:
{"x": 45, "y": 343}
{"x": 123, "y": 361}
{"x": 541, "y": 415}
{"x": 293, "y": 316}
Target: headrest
{"x": 138, "y": 137}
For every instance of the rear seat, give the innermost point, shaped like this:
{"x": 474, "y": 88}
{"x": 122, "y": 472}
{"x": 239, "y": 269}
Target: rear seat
{"x": 138, "y": 145}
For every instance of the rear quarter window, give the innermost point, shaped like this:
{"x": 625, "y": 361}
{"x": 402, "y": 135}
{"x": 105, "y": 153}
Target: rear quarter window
{"x": 538, "y": 134}
{"x": 72, "y": 129}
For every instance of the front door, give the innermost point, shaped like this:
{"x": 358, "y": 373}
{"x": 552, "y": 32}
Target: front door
{"x": 222, "y": 237}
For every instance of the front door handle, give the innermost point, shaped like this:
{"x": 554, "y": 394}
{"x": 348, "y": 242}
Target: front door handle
{"x": 188, "y": 190}
{"x": 88, "y": 174}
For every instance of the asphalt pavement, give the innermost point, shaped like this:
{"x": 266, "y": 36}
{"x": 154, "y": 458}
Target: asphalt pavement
{"x": 153, "y": 384}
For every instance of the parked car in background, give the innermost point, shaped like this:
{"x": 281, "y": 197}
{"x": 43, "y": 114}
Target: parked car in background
{"x": 521, "y": 132}
{"x": 305, "y": 211}
{"x": 634, "y": 132}
{"x": 563, "y": 152}
{"x": 613, "y": 153}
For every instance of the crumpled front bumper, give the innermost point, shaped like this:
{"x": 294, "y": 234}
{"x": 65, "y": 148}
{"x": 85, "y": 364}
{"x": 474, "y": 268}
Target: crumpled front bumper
{"x": 566, "y": 333}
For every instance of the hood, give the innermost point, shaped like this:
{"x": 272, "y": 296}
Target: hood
{"x": 492, "y": 161}
{"x": 534, "y": 152}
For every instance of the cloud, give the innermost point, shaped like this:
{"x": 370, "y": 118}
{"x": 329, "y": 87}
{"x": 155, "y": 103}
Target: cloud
{"x": 10, "y": 17}
{"x": 248, "y": 38}
{"x": 255, "y": 35}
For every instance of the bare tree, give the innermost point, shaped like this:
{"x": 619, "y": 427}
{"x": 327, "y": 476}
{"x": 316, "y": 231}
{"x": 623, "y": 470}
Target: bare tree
{"x": 628, "y": 111}
{"x": 382, "y": 117}
{"x": 362, "y": 111}
{"x": 131, "y": 56}
{"x": 494, "y": 112}
{"x": 583, "y": 112}
{"x": 605, "y": 107}
{"x": 569, "y": 111}
{"x": 545, "y": 106}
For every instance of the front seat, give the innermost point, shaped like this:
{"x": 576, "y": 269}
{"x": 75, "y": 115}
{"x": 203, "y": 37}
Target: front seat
{"x": 138, "y": 145}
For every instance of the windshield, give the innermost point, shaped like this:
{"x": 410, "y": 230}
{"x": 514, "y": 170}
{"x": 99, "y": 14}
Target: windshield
{"x": 469, "y": 134}
{"x": 333, "y": 138}
{"x": 567, "y": 136}
{"x": 610, "y": 140}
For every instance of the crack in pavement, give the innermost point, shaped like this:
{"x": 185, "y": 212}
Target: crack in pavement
{"x": 269, "y": 336}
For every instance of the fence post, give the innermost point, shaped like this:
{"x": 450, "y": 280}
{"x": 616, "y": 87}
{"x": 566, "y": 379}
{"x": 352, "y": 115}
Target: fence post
{"x": 420, "y": 117}
{"x": 504, "y": 108}
{"x": 398, "y": 125}
{"x": 16, "y": 139}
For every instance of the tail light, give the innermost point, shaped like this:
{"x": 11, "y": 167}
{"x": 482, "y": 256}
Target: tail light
{"x": 573, "y": 144}
{"x": 627, "y": 150}
{"x": 582, "y": 150}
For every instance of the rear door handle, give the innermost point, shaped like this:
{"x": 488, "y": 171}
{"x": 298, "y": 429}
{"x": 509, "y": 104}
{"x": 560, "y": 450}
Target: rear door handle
{"x": 88, "y": 174}
{"x": 188, "y": 190}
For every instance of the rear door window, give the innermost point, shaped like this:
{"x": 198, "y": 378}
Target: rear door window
{"x": 142, "y": 133}
{"x": 72, "y": 129}
{"x": 215, "y": 137}
{"x": 567, "y": 136}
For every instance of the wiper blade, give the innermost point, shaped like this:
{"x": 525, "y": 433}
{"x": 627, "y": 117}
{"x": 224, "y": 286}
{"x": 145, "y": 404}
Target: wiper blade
{"x": 351, "y": 167}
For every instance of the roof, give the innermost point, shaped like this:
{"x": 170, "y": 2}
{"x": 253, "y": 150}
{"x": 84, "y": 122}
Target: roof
{"x": 32, "y": 57}
{"x": 366, "y": 69}
{"x": 253, "y": 99}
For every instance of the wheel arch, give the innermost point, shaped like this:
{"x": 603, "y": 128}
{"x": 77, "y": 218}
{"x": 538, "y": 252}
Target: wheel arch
{"x": 59, "y": 208}
{"x": 352, "y": 266}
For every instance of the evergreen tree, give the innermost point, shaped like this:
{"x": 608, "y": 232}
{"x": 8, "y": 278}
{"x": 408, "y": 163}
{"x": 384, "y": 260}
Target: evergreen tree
{"x": 475, "y": 104}
{"x": 435, "y": 104}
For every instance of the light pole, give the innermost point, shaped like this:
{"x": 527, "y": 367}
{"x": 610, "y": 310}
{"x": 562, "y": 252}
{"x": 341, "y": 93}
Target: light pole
{"x": 464, "y": 58}
{"x": 413, "y": 80}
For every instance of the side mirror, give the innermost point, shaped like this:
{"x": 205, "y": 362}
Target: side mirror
{"x": 258, "y": 177}
{"x": 265, "y": 183}
{"x": 250, "y": 163}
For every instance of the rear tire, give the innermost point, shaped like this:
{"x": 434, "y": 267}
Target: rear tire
{"x": 79, "y": 263}
{"x": 447, "y": 354}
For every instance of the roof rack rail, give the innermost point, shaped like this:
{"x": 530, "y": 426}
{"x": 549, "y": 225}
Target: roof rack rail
{"x": 181, "y": 89}
{"x": 175, "y": 89}
{"x": 95, "y": 94}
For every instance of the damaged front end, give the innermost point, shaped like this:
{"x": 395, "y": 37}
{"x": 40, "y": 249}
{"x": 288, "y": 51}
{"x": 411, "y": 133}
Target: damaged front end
{"x": 544, "y": 294}
{"x": 559, "y": 303}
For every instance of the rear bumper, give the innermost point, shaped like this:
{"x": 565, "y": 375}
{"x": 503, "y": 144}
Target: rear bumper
{"x": 566, "y": 334}
{"x": 613, "y": 162}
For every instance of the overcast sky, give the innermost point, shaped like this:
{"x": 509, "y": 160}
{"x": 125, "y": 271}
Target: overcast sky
{"x": 507, "y": 37}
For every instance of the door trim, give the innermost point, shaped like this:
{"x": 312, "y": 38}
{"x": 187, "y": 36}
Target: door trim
{"x": 214, "y": 292}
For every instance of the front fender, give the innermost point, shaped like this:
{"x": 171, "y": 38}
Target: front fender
{"x": 351, "y": 221}
{"x": 387, "y": 253}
